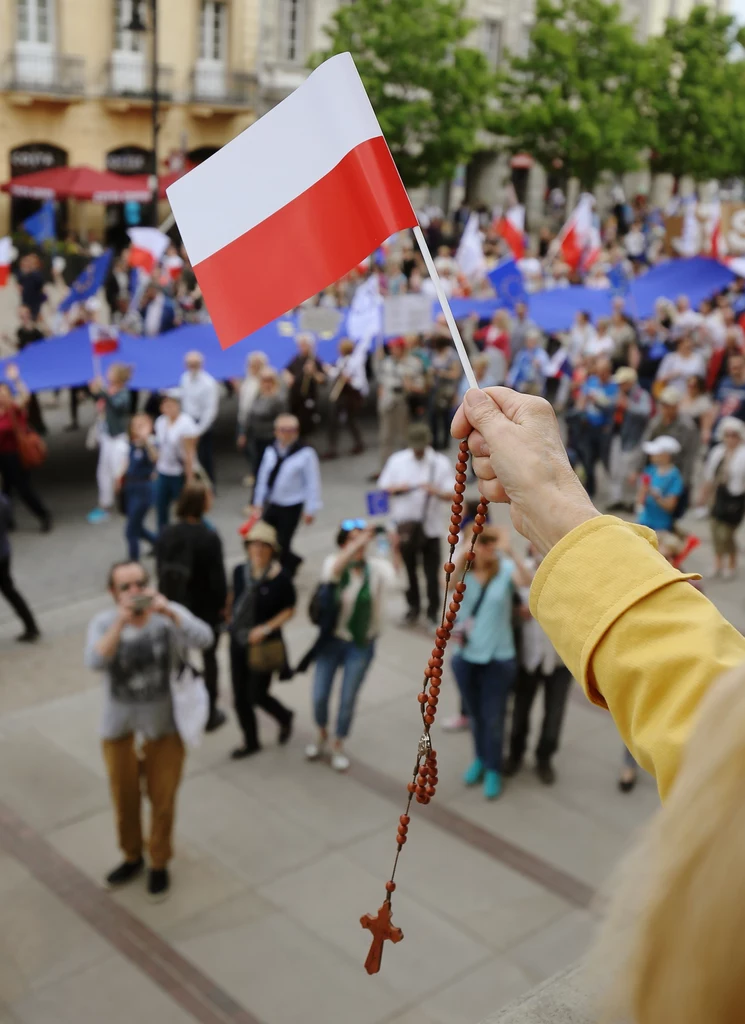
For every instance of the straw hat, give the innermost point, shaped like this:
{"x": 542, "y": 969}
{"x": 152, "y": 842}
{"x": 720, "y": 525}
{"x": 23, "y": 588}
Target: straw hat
{"x": 263, "y": 532}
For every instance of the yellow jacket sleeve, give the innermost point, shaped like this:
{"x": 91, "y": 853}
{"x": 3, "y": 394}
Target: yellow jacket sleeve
{"x": 639, "y": 639}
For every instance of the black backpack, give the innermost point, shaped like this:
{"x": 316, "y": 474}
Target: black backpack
{"x": 323, "y": 610}
{"x": 175, "y": 567}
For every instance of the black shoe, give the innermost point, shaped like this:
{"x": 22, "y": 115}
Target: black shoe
{"x": 285, "y": 730}
{"x": 216, "y": 719}
{"x": 546, "y": 773}
{"x": 511, "y": 766}
{"x": 411, "y": 618}
{"x": 29, "y": 637}
{"x": 627, "y": 784}
{"x": 124, "y": 873}
{"x": 46, "y": 524}
{"x": 240, "y": 752}
{"x": 158, "y": 884}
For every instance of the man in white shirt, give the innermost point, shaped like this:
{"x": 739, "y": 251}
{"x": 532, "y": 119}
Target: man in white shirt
{"x": 176, "y": 440}
{"x": 349, "y": 388}
{"x": 288, "y": 486}
{"x": 419, "y": 482}
{"x": 201, "y": 400}
{"x": 686, "y": 319}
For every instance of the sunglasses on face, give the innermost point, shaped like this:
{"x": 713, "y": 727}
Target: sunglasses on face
{"x": 140, "y": 584}
{"x": 353, "y": 524}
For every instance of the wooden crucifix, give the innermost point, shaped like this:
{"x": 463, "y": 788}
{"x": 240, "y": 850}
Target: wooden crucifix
{"x": 381, "y": 929}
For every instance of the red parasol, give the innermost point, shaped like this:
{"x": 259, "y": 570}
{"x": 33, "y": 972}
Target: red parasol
{"x": 79, "y": 183}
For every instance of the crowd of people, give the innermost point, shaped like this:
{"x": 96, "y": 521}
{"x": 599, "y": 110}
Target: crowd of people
{"x": 653, "y": 418}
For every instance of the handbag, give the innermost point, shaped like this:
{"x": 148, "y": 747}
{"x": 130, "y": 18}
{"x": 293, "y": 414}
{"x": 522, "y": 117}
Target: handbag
{"x": 268, "y": 656}
{"x": 32, "y": 449}
{"x": 728, "y": 508}
{"x": 411, "y": 531}
{"x": 191, "y": 705}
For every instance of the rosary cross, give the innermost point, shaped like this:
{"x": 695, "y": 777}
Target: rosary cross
{"x": 381, "y": 929}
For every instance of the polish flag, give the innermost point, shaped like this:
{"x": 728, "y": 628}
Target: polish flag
{"x": 172, "y": 265}
{"x": 104, "y": 339}
{"x": 576, "y": 237}
{"x": 266, "y": 229}
{"x": 511, "y": 226}
{"x": 594, "y": 247}
{"x": 147, "y": 248}
{"x": 6, "y": 258}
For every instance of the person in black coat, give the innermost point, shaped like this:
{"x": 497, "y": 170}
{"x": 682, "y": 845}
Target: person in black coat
{"x": 263, "y": 601}
{"x": 191, "y": 571}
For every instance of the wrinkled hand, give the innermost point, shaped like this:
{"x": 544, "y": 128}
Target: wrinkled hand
{"x": 308, "y": 519}
{"x": 519, "y": 458}
{"x": 256, "y": 635}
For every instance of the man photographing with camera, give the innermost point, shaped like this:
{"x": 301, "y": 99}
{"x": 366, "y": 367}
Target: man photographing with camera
{"x": 136, "y": 645}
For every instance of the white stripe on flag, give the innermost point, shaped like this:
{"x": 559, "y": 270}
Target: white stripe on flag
{"x": 275, "y": 160}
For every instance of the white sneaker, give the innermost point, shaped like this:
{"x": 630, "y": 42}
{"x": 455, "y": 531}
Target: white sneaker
{"x": 339, "y": 761}
{"x": 313, "y": 751}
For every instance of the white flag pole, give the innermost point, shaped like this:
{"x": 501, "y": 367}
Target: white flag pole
{"x": 455, "y": 333}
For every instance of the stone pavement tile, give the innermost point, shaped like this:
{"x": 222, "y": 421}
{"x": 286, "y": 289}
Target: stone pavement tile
{"x": 479, "y": 894}
{"x": 256, "y": 841}
{"x": 415, "y": 1016}
{"x": 113, "y": 992}
{"x": 559, "y": 944}
{"x": 34, "y": 673}
{"x": 328, "y": 804}
{"x": 72, "y": 724}
{"x": 45, "y": 785}
{"x": 330, "y": 896}
{"x": 285, "y": 974}
{"x": 471, "y": 998}
{"x": 41, "y": 940}
{"x": 234, "y": 912}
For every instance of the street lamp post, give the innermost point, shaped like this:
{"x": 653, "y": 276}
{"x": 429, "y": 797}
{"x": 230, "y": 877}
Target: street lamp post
{"x": 138, "y": 25}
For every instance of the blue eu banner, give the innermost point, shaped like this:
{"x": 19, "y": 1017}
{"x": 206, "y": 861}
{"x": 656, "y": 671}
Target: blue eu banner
{"x": 507, "y": 282}
{"x": 377, "y": 503}
{"x": 88, "y": 283}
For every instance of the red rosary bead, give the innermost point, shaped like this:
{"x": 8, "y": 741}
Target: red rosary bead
{"x": 422, "y": 697}
{"x": 479, "y": 518}
{"x": 430, "y": 791}
{"x": 449, "y": 568}
{"x": 453, "y": 609}
{"x": 470, "y": 555}
{"x": 459, "y": 488}
{"x": 390, "y": 886}
{"x": 481, "y": 508}
{"x": 434, "y": 691}
{"x": 411, "y": 786}
{"x": 461, "y": 466}
{"x": 441, "y": 643}
{"x": 456, "y": 506}
{"x": 402, "y": 839}
{"x": 456, "y": 518}
{"x": 477, "y": 529}
{"x": 435, "y": 672}
{"x": 425, "y": 799}
{"x": 442, "y": 632}
{"x": 404, "y": 819}
{"x": 460, "y": 587}
{"x": 460, "y": 478}
{"x": 429, "y": 719}
{"x": 457, "y": 598}
{"x": 452, "y": 538}
{"x": 449, "y": 616}
{"x": 463, "y": 446}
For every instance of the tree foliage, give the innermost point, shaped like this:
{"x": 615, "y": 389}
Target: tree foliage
{"x": 429, "y": 90}
{"x": 699, "y": 104}
{"x": 579, "y": 99}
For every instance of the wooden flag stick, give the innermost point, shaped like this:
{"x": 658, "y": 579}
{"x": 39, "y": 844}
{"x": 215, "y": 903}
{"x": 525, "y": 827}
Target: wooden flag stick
{"x": 455, "y": 333}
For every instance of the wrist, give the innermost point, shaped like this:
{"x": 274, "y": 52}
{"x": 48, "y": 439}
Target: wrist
{"x": 563, "y": 514}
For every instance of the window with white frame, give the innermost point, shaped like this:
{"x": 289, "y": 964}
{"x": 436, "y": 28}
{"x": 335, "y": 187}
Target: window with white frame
{"x": 491, "y": 40}
{"x": 124, "y": 40}
{"x": 212, "y": 31}
{"x": 34, "y": 22}
{"x": 292, "y": 28}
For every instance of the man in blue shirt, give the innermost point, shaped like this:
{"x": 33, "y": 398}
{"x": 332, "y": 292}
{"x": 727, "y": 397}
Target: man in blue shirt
{"x": 595, "y": 408}
{"x": 661, "y": 484}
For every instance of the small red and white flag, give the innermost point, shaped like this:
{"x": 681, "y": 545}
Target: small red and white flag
{"x": 147, "y": 248}
{"x": 6, "y": 258}
{"x": 511, "y": 226}
{"x": 576, "y": 241}
{"x": 172, "y": 265}
{"x": 104, "y": 339}
{"x": 292, "y": 204}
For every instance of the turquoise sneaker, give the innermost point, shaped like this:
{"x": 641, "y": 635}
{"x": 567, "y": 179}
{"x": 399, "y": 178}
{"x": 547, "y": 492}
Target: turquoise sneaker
{"x": 98, "y": 515}
{"x": 492, "y": 785}
{"x": 474, "y": 773}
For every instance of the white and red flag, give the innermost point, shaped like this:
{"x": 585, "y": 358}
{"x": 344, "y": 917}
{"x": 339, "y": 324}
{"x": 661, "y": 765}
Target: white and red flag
{"x": 147, "y": 248}
{"x": 579, "y": 241}
{"x": 6, "y": 258}
{"x": 104, "y": 339}
{"x": 511, "y": 226}
{"x": 291, "y": 204}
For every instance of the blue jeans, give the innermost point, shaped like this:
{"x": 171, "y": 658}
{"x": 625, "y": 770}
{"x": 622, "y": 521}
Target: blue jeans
{"x": 138, "y": 498}
{"x": 485, "y": 689}
{"x": 334, "y": 654}
{"x": 167, "y": 490}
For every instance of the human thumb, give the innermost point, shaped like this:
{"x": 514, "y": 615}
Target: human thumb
{"x": 483, "y": 414}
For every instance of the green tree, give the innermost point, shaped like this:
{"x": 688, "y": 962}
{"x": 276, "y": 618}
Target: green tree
{"x": 579, "y": 99}
{"x": 429, "y": 90}
{"x": 699, "y": 105}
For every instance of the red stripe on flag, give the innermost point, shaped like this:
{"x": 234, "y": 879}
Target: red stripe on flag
{"x": 4, "y": 275}
{"x": 307, "y": 244}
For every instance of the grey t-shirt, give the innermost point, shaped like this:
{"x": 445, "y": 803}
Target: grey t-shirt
{"x": 137, "y": 689}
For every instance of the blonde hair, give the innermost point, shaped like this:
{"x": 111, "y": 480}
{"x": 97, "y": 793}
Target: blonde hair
{"x": 676, "y": 919}
{"x": 121, "y": 373}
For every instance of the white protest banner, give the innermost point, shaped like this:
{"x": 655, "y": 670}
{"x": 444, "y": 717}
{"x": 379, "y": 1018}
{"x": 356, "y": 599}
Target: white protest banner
{"x": 407, "y": 314}
{"x": 323, "y": 321}
{"x": 365, "y": 317}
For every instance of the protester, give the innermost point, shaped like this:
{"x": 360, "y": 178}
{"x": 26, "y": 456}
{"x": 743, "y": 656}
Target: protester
{"x": 176, "y": 440}
{"x": 446, "y": 372}
{"x": 632, "y": 413}
{"x": 530, "y": 366}
{"x": 419, "y": 482}
{"x": 484, "y": 665}
{"x": 134, "y": 645}
{"x": 621, "y": 330}
{"x": 349, "y": 388}
{"x": 581, "y": 335}
{"x": 191, "y": 571}
{"x": 137, "y": 484}
{"x": 724, "y": 490}
{"x": 201, "y": 401}
{"x": 157, "y": 311}
{"x": 304, "y": 374}
{"x": 361, "y": 582}
{"x": 670, "y": 422}
{"x": 248, "y": 391}
{"x": 678, "y": 366}
{"x": 8, "y": 589}
{"x": 483, "y": 368}
{"x": 661, "y": 484}
{"x": 520, "y": 327}
{"x": 113, "y": 420}
{"x": 263, "y": 600}
{"x": 15, "y": 476}
{"x": 729, "y": 395}
{"x": 593, "y": 410}
{"x": 269, "y": 403}
{"x": 288, "y": 487}
{"x": 32, "y": 283}
{"x": 397, "y": 373}
{"x": 696, "y": 403}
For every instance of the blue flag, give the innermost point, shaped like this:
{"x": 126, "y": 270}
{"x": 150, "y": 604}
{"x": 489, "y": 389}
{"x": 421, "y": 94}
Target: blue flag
{"x": 40, "y": 225}
{"x": 89, "y": 282}
{"x": 507, "y": 282}
{"x": 619, "y": 282}
{"x": 377, "y": 503}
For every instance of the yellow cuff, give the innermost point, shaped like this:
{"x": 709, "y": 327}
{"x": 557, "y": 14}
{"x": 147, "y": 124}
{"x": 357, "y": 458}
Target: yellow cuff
{"x": 588, "y": 580}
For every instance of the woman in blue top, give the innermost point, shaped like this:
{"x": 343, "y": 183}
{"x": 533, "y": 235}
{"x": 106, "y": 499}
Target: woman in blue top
{"x": 485, "y": 666}
{"x": 138, "y": 484}
{"x": 661, "y": 484}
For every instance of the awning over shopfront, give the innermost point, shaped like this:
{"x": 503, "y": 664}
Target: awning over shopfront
{"x": 80, "y": 183}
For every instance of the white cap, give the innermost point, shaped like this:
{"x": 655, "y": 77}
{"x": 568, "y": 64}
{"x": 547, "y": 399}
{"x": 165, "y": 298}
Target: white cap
{"x": 175, "y": 393}
{"x": 662, "y": 445}
{"x": 730, "y": 425}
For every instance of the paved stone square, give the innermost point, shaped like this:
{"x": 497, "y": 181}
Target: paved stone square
{"x": 277, "y": 859}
